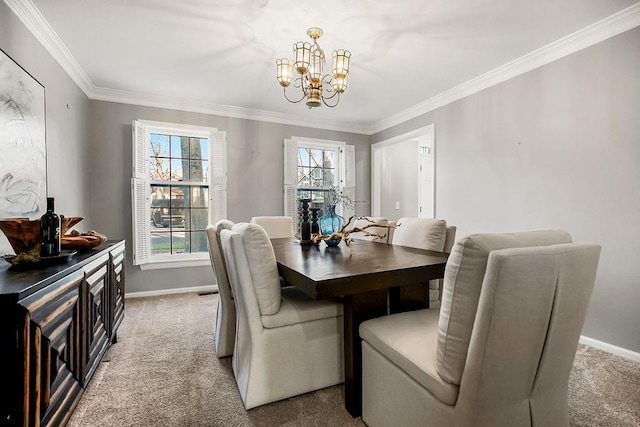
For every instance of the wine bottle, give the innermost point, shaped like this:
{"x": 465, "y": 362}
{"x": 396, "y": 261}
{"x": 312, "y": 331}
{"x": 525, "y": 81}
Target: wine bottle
{"x": 49, "y": 231}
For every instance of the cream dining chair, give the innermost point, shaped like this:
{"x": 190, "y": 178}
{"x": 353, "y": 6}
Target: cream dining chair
{"x": 277, "y": 227}
{"x": 365, "y": 221}
{"x": 499, "y": 352}
{"x": 224, "y": 338}
{"x": 286, "y": 343}
{"x": 429, "y": 234}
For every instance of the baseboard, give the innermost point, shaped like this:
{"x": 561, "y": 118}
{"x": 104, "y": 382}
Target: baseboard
{"x": 610, "y": 348}
{"x": 199, "y": 289}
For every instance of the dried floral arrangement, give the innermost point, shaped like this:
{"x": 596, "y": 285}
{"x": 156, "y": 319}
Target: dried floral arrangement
{"x": 343, "y": 233}
{"x": 336, "y": 197}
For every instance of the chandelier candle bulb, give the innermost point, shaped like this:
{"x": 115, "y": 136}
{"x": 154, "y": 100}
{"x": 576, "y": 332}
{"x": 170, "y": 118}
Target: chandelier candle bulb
{"x": 339, "y": 84}
{"x": 317, "y": 88}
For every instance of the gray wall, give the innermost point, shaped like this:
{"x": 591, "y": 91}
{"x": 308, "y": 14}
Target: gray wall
{"x": 558, "y": 147}
{"x": 67, "y": 119}
{"x": 255, "y": 168}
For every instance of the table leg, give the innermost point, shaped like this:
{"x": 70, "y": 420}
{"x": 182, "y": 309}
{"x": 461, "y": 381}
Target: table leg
{"x": 414, "y": 296}
{"x": 357, "y": 309}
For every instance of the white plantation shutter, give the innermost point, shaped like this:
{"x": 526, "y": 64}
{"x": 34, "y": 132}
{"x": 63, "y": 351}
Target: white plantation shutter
{"x": 290, "y": 162}
{"x": 349, "y": 184}
{"x": 141, "y": 203}
{"x": 140, "y": 150}
{"x": 140, "y": 194}
{"x": 218, "y": 191}
{"x": 141, "y": 189}
{"x": 291, "y": 182}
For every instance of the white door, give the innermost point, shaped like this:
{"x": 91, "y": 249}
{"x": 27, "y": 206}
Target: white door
{"x": 426, "y": 186}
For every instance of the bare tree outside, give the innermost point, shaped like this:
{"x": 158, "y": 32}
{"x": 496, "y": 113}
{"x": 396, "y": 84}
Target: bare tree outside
{"x": 179, "y": 194}
{"x": 196, "y": 220}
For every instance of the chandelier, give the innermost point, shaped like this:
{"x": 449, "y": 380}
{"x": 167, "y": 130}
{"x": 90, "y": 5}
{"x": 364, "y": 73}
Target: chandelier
{"x": 316, "y": 87}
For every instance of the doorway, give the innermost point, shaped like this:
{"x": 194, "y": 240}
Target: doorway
{"x": 400, "y": 184}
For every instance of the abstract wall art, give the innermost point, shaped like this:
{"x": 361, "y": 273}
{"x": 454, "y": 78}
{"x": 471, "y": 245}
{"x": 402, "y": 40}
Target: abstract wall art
{"x": 23, "y": 157}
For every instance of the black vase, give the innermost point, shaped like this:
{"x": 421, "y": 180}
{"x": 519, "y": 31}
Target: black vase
{"x": 305, "y": 224}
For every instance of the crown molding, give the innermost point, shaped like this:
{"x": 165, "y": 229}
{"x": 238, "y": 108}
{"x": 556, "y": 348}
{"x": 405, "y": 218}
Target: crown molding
{"x": 159, "y": 101}
{"x": 31, "y": 17}
{"x": 608, "y": 27}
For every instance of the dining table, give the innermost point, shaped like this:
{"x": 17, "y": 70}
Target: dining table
{"x": 372, "y": 279}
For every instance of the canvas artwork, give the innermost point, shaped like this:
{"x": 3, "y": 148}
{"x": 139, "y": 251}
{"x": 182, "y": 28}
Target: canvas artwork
{"x": 23, "y": 160}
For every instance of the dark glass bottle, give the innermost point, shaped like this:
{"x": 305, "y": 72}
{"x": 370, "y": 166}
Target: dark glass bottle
{"x": 49, "y": 231}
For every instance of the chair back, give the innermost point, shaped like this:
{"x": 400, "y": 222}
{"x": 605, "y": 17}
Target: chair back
{"x": 226, "y": 313}
{"x": 253, "y": 276}
{"x": 277, "y": 227}
{"x": 450, "y": 238}
{"x": 381, "y": 231}
{"x": 421, "y": 233}
{"x": 463, "y": 278}
{"x": 530, "y": 315}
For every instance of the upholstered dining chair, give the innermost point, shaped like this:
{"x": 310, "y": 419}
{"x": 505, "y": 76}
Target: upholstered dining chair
{"x": 429, "y": 234}
{"x": 277, "y": 227}
{"x": 286, "y": 343}
{"x": 500, "y": 350}
{"x": 381, "y": 231}
{"x": 226, "y": 316}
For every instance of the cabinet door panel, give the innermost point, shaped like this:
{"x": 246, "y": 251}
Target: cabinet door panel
{"x": 117, "y": 257}
{"x": 49, "y": 340}
{"x": 97, "y": 303}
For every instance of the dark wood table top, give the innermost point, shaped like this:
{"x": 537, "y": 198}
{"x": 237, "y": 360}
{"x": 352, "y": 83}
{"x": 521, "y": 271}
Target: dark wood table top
{"x": 325, "y": 272}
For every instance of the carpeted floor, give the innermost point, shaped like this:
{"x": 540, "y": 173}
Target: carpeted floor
{"x": 164, "y": 372}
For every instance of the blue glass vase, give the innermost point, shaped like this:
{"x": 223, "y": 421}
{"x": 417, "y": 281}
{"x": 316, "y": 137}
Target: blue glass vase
{"x": 330, "y": 223}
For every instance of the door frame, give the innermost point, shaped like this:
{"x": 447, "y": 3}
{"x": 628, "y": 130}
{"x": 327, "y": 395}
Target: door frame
{"x": 425, "y": 132}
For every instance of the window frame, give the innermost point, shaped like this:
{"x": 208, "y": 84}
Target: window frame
{"x": 345, "y": 166}
{"x": 141, "y": 190}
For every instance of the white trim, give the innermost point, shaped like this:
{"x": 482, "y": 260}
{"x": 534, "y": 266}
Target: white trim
{"x": 428, "y": 130}
{"x": 178, "y": 129}
{"x": 162, "y": 265}
{"x": 602, "y": 30}
{"x": 317, "y": 142}
{"x": 159, "y": 101}
{"x": 199, "y": 289}
{"x": 610, "y": 348}
{"x": 31, "y": 17}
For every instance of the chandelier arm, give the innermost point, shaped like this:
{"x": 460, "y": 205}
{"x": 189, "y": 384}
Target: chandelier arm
{"x": 324, "y": 100}
{"x": 297, "y": 83}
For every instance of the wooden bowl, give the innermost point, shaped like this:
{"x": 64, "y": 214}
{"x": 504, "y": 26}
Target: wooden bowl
{"x": 83, "y": 242}
{"x": 67, "y": 223}
{"x": 23, "y": 234}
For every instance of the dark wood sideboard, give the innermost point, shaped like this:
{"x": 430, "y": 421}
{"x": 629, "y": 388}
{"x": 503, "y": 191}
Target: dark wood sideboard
{"x": 56, "y": 323}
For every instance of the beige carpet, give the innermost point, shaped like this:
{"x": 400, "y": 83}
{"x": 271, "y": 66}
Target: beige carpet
{"x": 164, "y": 372}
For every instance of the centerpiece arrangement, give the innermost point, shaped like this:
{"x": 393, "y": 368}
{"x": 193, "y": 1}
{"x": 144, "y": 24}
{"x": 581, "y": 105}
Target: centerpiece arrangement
{"x": 333, "y": 228}
{"x": 341, "y": 234}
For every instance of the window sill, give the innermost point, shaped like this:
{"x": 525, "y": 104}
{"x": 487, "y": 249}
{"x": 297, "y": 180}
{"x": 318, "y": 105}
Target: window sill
{"x": 160, "y": 265}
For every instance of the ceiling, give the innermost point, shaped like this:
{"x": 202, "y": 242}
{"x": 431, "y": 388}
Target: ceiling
{"x": 221, "y": 54}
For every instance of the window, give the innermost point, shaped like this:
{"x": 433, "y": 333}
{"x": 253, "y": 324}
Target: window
{"x": 178, "y": 189}
{"x": 312, "y": 168}
{"x": 318, "y": 172}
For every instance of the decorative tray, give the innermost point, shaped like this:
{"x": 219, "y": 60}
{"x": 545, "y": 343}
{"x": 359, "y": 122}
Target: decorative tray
{"x": 22, "y": 262}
